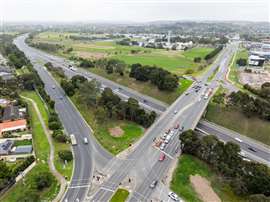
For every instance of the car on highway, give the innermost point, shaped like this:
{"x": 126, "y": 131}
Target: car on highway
{"x": 153, "y": 184}
{"x": 251, "y": 149}
{"x": 85, "y": 140}
{"x": 53, "y": 87}
{"x": 161, "y": 157}
{"x": 238, "y": 139}
{"x": 173, "y": 196}
{"x": 168, "y": 138}
{"x": 175, "y": 111}
{"x": 187, "y": 93}
{"x": 61, "y": 97}
{"x": 162, "y": 146}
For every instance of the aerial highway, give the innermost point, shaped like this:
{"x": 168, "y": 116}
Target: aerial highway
{"x": 141, "y": 163}
{"x": 86, "y": 156}
{"x": 252, "y": 149}
{"x": 186, "y": 111}
{"x": 145, "y": 101}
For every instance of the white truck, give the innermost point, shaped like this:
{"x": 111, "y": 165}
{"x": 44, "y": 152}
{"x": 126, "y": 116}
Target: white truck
{"x": 73, "y": 139}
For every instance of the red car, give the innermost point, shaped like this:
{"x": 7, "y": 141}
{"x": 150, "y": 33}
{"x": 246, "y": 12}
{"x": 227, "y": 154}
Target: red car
{"x": 176, "y": 126}
{"x": 161, "y": 157}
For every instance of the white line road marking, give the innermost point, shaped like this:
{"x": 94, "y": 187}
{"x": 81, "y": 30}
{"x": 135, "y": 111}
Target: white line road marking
{"x": 79, "y": 186}
{"x": 104, "y": 188}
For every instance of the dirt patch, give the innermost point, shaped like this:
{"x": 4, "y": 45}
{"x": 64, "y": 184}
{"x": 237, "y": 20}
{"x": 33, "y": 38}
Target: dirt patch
{"x": 203, "y": 188}
{"x": 255, "y": 79}
{"x": 116, "y": 131}
{"x": 90, "y": 55}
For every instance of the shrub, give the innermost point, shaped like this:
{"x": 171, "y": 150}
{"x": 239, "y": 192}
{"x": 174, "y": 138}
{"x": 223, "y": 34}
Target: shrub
{"x": 43, "y": 180}
{"x": 65, "y": 155}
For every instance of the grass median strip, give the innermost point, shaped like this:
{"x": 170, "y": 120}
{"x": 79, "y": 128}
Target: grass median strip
{"x": 120, "y": 196}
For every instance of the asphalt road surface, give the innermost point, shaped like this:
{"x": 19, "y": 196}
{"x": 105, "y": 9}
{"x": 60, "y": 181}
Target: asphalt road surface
{"x": 86, "y": 156}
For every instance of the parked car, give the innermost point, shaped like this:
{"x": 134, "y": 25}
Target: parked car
{"x": 162, "y": 157}
{"x": 173, "y": 196}
{"x": 153, "y": 184}
{"x": 163, "y": 137}
{"x": 162, "y": 146}
{"x": 176, "y": 126}
{"x": 168, "y": 131}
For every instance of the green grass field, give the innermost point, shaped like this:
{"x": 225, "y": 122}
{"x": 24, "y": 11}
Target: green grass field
{"x": 175, "y": 61}
{"x": 234, "y": 74}
{"x": 189, "y": 165}
{"x": 145, "y": 87}
{"x": 65, "y": 170}
{"x": 41, "y": 147}
{"x": 115, "y": 145}
{"x": 120, "y": 196}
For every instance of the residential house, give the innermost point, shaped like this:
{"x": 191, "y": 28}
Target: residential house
{"x": 11, "y": 126}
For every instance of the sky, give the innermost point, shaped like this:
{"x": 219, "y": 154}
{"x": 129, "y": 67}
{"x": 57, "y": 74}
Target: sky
{"x": 133, "y": 10}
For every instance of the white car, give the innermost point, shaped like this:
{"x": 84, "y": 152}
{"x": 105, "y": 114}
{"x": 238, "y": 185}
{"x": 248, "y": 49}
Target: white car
{"x": 162, "y": 146}
{"x": 85, "y": 140}
{"x": 175, "y": 111}
{"x": 238, "y": 139}
{"x": 173, "y": 196}
{"x": 163, "y": 137}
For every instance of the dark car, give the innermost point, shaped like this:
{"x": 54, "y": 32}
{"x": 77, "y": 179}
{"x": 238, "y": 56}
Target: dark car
{"x": 153, "y": 184}
{"x": 251, "y": 149}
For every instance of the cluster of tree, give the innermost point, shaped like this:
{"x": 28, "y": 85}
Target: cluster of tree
{"x": 163, "y": 79}
{"x": 8, "y": 175}
{"x": 241, "y": 61}
{"x": 111, "y": 66}
{"x": 197, "y": 59}
{"x": 124, "y": 42}
{"x": 263, "y": 92}
{"x": 43, "y": 180}
{"x": 9, "y": 88}
{"x": 107, "y": 104}
{"x": 246, "y": 178}
{"x": 57, "y": 70}
{"x": 16, "y": 58}
{"x": 114, "y": 107}
{"x": 47, "y": 46}
{"x": 213, "y": 53}
{"x": 86, "y": 63}
{"x": 251, "y": 106}
{"x": 86, "y": 38}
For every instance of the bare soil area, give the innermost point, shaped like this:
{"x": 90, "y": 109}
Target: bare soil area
{"x": 116, "y": 131}
{"x": 203, "y": 188}
{"x": 255, "y": 79}
{"x": 90, "y": 55}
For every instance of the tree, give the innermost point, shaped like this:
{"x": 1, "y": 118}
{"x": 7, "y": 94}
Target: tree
{"x": 197, "y": 59}
{"x": 77, "y": 80}
{"x": 101, "y": 114}
{"x": 68, "y": 87}
{"x": 189, "y": 142}
{"x": 54, "y": 125}
{"x": 241, "y": 62}
{"x": 43, "y": 180}
{"x": 88, "y": 92}
{"x": 65, "y": 155}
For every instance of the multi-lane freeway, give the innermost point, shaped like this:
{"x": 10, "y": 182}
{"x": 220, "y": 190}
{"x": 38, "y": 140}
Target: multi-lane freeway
{"x": 141, "y": 164}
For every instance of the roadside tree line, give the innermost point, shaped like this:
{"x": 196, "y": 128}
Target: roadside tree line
{"x": 247, "y": 178}
{"x": 213, "y": 53}
{"x": 106, "y": 103}
{"x": 250, "y": 105}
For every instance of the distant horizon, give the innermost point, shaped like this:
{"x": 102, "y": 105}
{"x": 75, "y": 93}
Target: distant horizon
{"x": 133, "y": 11}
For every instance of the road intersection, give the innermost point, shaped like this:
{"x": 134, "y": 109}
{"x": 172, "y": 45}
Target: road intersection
{"x": 142, "y": 160}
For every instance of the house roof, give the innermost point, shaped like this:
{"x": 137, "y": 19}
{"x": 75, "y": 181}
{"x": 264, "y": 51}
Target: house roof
{"x": 5, "y": 147}
{"x": 12, "y": 124}
{"x": 10, "y": 113}
{"x": 24, "y": 149}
